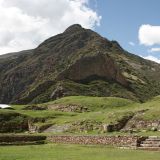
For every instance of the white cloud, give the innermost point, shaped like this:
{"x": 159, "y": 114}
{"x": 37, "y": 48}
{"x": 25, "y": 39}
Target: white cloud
{"x": 152, "y": 58}
{"x": 149, "y": 35}
{"x": 26, "y": 23}
{"x": 154, "y": 50}
{"x": 132, "y": 43}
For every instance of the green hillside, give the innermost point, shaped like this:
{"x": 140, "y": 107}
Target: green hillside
{"x": 88, "y": 115}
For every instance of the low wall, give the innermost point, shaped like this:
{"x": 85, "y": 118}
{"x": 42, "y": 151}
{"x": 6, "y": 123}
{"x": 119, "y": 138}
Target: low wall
{"x": 120, "y": 141}
{"x": 20, "y": 138}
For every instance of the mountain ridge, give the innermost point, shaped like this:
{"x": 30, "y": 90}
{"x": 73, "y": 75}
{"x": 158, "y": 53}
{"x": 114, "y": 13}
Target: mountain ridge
{"x": 76, "y": 62}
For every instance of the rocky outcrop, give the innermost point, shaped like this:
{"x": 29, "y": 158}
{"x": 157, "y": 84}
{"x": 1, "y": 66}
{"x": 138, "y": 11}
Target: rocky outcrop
{"x": 88, "y": 69}
{"x": 59, "y": 92}
{"x": 68, "y": 108}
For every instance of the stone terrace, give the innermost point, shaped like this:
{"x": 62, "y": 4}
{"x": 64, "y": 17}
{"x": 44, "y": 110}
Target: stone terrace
{"x": 119, "y": 141}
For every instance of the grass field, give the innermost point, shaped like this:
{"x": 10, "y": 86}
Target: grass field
{"x": 101, "y": 109}
{"x": 73, "y": 152}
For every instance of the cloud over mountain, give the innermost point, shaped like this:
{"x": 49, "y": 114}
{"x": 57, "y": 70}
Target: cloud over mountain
{"x": 152, "y": 58}
{"x": 26, "y": 23}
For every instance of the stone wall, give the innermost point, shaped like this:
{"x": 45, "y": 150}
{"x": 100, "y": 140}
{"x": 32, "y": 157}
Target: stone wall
{"x": 120, "y": 141}
{"x": 150, "y": 125}
{"x": 137, "y": 125}
{"x": 20, "y": 138}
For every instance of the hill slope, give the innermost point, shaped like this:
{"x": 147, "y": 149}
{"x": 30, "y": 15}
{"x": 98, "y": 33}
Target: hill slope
{"x": 83, "y": 115}
{"x": 76, "y": 62}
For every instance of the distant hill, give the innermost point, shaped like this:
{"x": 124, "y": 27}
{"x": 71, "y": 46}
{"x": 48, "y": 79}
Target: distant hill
{"x": 76, "y": 62}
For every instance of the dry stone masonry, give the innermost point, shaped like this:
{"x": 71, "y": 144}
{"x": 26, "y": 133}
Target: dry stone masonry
{"x": 21, "y": 139}
{"x": 151, "y": 143}
{"x": 119, "y": 141}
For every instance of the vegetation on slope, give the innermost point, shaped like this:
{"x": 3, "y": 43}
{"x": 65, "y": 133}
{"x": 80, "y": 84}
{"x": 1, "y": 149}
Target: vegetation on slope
{"x": 98, "y": 112}
{"x": 77, "y": 62}
{"x": 12, "y": 122}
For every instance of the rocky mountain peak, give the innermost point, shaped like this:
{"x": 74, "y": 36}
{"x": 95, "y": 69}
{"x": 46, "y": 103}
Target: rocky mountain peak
{"x": 74, "y": 28}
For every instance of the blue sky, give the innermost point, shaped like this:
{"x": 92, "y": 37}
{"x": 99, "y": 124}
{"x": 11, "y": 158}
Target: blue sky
{"x": 122, "y": 19}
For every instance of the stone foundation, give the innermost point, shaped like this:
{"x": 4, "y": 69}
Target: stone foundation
{"x": 119, "y": 141}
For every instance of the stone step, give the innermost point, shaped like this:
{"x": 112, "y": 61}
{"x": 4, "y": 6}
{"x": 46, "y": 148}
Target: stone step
{"x": 150, "y": 145}
{"x": 153, "y": 139}
{"x": 151, "y": 142}
{"x": 150, "y": 148}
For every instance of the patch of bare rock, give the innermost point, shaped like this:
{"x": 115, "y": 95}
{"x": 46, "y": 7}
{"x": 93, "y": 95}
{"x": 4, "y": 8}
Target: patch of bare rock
{"x": 68, "y": 108}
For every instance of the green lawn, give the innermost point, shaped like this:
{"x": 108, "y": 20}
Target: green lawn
{"x": 73, "y": 152}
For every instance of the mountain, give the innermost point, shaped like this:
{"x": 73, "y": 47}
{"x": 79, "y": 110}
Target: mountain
{"x": 76, "y": 62}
